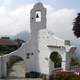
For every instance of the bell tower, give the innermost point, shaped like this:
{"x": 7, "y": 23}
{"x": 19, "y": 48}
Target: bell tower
{"x": 38, "y": 17}
{"x": 37, "y": 22}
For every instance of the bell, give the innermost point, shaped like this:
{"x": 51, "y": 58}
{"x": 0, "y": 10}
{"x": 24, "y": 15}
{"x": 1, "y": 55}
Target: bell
{"x": 37, "y": 16}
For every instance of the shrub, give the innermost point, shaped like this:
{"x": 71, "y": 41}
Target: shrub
{"x": 64, "y": 76}
{"x": 32, "y": 75}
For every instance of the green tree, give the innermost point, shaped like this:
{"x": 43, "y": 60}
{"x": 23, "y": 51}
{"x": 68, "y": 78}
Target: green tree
{"x": 74, "y": 61}
{"x": 76, "y": 26}
{"x": 19, "y": 41}
{"x": 65, "y": 76}
{"x": 56, "y": 58}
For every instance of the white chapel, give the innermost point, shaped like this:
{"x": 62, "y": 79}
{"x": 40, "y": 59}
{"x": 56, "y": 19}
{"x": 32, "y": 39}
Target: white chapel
{"x": 38, "y": 53}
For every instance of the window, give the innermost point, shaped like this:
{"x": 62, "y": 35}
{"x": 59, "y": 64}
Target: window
{"x": 28, "y": 56}
{"x": 32, "y": 54}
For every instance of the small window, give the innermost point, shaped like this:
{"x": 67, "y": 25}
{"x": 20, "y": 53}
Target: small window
{"x": 32, "y": 54}
{"x": 28, "y": 55}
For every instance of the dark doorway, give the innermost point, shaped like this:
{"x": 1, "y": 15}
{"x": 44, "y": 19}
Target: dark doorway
{"x": 56, "y": 59}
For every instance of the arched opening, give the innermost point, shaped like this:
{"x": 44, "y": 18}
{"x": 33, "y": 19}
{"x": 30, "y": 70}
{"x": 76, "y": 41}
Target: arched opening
{"x": 13, "y": 60}
{"x": 55, "y": 57}
{"x": 16, "y": 65}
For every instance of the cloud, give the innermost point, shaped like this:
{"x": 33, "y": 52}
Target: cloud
{"x": 15, "y": 21}
{"x": 59, "y": 21}
{"x": 5, "y": 5}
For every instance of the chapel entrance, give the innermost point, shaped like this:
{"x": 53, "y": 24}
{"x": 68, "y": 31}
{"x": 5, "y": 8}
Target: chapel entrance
{"x": 55, "y": 62}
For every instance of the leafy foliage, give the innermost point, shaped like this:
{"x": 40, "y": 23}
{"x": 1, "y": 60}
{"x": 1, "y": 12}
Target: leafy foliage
{"x": 56, "y": 58}
{"x": 76, "y": 26}
{"x": 32, "y": 75}
{"x": 4, "y": 49}
{"x": 65, "y": 76}
{"x": 19, "y": 41}
{"x": 74, "y": 62}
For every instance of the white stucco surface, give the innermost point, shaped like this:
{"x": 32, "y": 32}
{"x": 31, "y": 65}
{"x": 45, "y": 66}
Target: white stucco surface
{"x": 40, "y": 46}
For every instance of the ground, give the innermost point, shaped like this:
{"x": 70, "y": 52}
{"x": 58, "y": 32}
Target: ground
{"x": 17, "y": 72}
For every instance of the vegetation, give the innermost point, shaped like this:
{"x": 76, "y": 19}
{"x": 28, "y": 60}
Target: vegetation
{"x": 56, "y": 58}
{"x": 76, "y": 26}
{"x": 4, "y": 49}
{"x": 19, "y": 41}
{"x": 74, "y": 62}
{"x": 38, "y": 75}
{"x": 32, "y": 75}
{"x": 65, "y": 76}
{"x": 57, "y": 76}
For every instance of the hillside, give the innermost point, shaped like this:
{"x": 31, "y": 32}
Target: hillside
{"x": 24, "y": 35}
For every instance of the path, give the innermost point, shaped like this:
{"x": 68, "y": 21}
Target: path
{"x": 18, "y": 72}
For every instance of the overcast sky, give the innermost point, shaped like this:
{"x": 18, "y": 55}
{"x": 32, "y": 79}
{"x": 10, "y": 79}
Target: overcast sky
{"x": 14, "y": 16}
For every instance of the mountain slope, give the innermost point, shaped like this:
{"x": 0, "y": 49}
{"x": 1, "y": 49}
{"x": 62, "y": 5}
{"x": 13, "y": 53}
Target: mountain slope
{"x": 24, "y": 35}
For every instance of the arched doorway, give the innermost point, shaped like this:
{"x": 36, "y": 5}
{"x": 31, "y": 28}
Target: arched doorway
{"x": 14, "y": 59}
{"x": 55, "y": 61}
{"x": 16, "y": 67}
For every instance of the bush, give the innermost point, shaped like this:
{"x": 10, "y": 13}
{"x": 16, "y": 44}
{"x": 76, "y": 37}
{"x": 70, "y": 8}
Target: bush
{"x": 74, "y": 61}
{"x": 32, "y": 75}
{"x": 5, "y": 49}
{"x": 64, "y": 76}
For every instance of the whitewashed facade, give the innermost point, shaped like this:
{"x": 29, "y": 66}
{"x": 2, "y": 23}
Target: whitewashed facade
{"x": 36, "y": 52}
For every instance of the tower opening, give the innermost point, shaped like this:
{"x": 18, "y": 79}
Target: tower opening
{"x": 38, "y": 16}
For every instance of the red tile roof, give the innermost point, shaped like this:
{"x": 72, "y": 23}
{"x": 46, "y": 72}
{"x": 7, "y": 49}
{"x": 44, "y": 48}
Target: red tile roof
{"x": 7, "y": 42}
